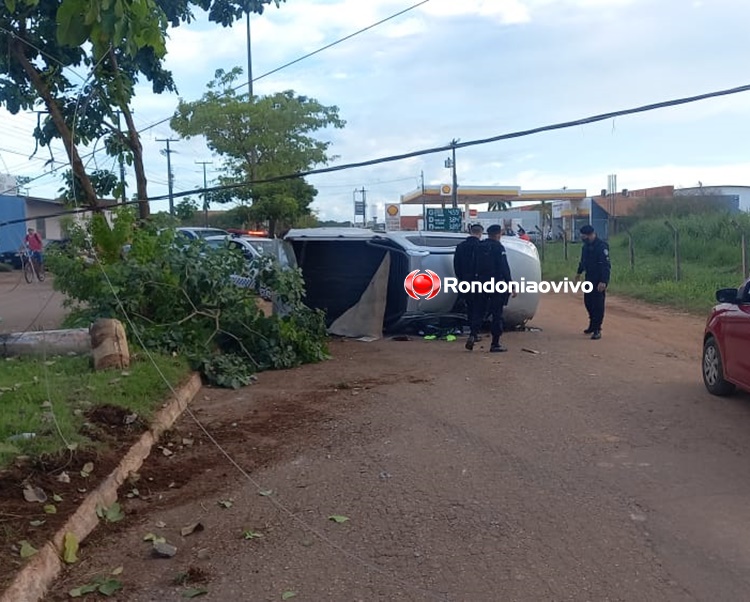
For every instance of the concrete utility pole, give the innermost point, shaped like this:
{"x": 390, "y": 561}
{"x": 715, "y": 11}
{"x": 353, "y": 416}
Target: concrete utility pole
{"x": 205, "y": 194}
{"x": 249, "y": 59}
{"x": 169, "y": 152}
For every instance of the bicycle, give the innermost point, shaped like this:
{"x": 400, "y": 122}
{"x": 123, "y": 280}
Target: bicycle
{"x": 32, "y": 265}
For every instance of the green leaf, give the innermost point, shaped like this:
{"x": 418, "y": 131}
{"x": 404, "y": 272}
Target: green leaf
{"x": 154, "y": 538}
{"x": 338, "y": 518}
{"x": 70, "y": 548}
{"x": 57, "y": 498}
{"x": 110, "y": 586}
{"x": 77, "y": 592}
{"x": 194, "y": 592}
{"x": 50, "y": 509}
{"x": 288, "y": 595}
{"x": 27, "y": 550}
{"x": 112, "y": 514}
{"x": 37, "y": 523}
{"x": 265, "y": 492}
{"x": 252, "y": 535}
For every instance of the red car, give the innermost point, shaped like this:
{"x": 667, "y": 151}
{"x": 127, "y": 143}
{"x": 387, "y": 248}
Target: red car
{"x": 726, "y": 342}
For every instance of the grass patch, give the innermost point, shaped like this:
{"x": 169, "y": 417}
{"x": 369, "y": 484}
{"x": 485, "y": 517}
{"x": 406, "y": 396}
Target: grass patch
{"x": 52, "y": 398}
{"x": 711, "y": 259}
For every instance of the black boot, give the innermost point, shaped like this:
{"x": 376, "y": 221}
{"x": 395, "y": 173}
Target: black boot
{"x": 470, "y": 342}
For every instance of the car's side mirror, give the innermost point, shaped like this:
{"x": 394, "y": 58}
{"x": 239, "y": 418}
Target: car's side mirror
{"x": 727, "y": 295}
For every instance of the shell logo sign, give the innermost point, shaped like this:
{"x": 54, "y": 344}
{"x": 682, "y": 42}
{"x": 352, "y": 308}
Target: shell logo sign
{"x": 392, "y": 217}
{"x": 446, "y": 189}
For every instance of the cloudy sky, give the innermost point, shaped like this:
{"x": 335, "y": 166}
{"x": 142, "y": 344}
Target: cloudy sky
{"x": 470, "y": 69}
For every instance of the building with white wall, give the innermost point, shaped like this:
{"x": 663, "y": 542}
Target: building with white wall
{"x": 742, "y": 193}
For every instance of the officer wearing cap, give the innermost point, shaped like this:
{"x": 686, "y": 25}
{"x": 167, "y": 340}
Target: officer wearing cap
{"x": 596, "y": 263}
{"x": 464, "y": 265}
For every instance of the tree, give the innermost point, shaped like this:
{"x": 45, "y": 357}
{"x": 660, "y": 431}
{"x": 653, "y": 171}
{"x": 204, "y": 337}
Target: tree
{"x": 186, "y": 209}
{"x": 498, "y": 206}
{"x": 103, "y": 181}
{"x": 260, "y": 138}
{"x": 117, "y": 41}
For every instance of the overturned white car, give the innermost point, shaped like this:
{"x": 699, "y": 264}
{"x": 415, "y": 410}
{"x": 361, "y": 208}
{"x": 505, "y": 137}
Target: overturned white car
{"x": 357, "y": 276}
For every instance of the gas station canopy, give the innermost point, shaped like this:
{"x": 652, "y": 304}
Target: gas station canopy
{"x": 477, "y": 195}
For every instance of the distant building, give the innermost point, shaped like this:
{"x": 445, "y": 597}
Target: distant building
{"x": 46, "y": 216}
{"x": 739, "y": 193}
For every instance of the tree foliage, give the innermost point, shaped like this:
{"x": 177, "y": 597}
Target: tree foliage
{"x": 105, "y": 183}
{"x": 117, "y": 42}
{"x": 180, "y": 298}
{"x": 259, "y": 139}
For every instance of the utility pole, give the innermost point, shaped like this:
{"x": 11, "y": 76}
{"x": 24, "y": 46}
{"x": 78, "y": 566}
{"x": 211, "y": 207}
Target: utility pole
{"x": 249, "y": 59}
{"x": 169, "y": 152}
{"x": 364, "y": 207}
{"x": 205, "y": 194}
{"x": 455, "y": 181}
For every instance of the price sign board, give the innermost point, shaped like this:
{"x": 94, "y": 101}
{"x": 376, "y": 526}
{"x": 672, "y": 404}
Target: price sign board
{"x": 444, "y": 220}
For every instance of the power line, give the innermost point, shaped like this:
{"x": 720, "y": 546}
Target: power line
{"x": 309, "y": 54}
{"x": 519, "y": 134}
{"x": 391, "y": 158}
{"x": 276, "y": 70}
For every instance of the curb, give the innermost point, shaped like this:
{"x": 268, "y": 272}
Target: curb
{"x": 34, "y": 579}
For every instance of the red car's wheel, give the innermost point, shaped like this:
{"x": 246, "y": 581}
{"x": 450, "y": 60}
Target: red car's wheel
{"x": 713, "y": 370}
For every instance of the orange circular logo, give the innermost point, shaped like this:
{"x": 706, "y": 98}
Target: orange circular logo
{"x": 445, "y": 189}
{"x": 392, "y": 210}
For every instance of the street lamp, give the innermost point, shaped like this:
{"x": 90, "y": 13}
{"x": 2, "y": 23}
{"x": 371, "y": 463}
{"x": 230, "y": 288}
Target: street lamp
{"x": 450, "y": 163}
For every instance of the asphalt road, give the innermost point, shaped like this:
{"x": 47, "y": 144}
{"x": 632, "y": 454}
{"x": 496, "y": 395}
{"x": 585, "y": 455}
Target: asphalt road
{"x": 593, "y": 470}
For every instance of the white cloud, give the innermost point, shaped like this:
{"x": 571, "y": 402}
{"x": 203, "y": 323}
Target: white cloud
{"x": 473, "y": 69}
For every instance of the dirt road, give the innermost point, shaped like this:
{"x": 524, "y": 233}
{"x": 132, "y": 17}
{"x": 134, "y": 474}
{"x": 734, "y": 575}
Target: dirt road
{"x": 594, "y": 470}
{"x": 27, "y": 307}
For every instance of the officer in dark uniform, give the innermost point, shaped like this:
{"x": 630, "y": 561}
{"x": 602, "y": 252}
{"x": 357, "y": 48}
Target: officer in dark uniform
{"x": 596, "y": 263}
{"x": 492, "y": 262}
{"x": 464, "y": 265}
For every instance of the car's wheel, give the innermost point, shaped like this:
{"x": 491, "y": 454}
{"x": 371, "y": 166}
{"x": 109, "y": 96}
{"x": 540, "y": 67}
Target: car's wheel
{"x": 713, "y": 370}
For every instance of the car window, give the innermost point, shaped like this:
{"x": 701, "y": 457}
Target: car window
{"x": 745, "y": 297}
{"x": 205, "y": 233}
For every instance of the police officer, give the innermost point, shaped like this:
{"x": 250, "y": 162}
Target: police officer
{"x": 464, "y": 265}
{"x": 492, "y": 263}
{"x": 595, "y": 262}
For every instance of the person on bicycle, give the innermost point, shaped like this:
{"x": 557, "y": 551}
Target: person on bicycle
{"x": 33, "y": 242}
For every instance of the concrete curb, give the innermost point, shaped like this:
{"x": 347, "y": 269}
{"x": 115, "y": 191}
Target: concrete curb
{"x": 35, "y": 578}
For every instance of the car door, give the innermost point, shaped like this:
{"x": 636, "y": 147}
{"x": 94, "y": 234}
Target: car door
{"x": 737, "y": 339}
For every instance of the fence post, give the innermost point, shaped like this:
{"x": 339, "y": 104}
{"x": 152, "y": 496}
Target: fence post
{"x": 743, "y": 249}
{"x": 565, "y": 243}
{"x": 631, "y": 250}
{"x": 541, "y": 236}
{"x": 676, "y": 235}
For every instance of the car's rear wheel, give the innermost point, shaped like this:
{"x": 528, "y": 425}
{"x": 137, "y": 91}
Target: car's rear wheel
{"x": 713, "y": 370}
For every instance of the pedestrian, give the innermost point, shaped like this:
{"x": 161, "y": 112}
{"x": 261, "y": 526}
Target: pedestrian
{"x": 464, "y": 266}
{"x": 522, "y": 234}
{"x": 492, "y": 263}
{"x": 596, "y": 263}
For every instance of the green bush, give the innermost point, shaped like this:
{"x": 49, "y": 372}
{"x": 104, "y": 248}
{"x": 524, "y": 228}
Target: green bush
{"x": 710, "y": 259}
{"x": 178, "y": 298}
